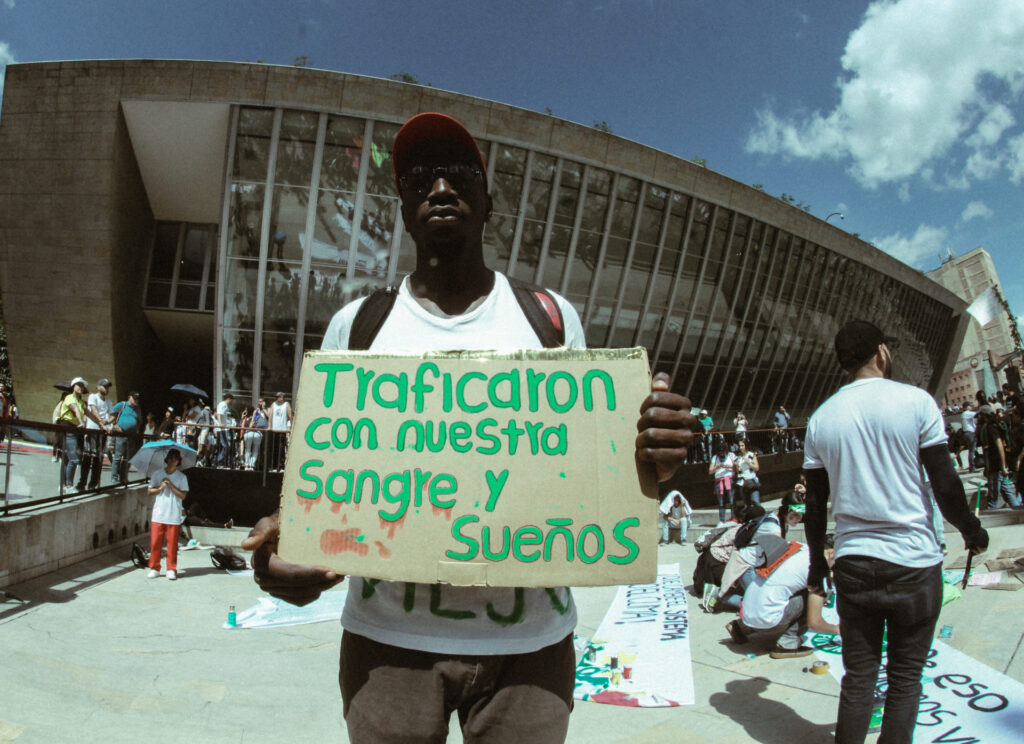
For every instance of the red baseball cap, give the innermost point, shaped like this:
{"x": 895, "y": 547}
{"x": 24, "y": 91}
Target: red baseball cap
{"x": 432, "y": 127}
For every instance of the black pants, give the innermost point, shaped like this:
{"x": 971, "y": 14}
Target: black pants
{"x": 876, "y": 597}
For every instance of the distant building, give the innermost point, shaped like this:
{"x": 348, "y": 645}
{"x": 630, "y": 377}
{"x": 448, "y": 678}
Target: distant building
{"x": 165, "y": 222}
{"x": 968, "y": 276}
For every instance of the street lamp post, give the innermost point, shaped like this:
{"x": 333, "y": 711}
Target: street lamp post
{"x": 841, "y": 216}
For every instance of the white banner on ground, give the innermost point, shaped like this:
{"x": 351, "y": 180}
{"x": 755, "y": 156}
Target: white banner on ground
{"x": 270, "y": 612}
{"x": 962, "y": 701}
{"x": 640, "y": 655}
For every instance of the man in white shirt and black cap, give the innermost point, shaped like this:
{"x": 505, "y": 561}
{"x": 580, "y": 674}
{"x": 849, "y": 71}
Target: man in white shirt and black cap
{"x": 866, "y": 446}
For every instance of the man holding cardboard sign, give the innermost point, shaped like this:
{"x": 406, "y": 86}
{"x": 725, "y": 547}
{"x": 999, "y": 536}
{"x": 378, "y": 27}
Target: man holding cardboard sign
{"x": 411, "y": 653}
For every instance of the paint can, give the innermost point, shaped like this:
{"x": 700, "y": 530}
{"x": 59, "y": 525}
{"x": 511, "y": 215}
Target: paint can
{"x": 627, "y": 671}
{"x": 614, "y": 663}
{"x": 819, "y": 667}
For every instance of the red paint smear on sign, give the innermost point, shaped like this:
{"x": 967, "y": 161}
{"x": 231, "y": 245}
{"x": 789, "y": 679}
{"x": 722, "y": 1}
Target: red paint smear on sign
{"x": 391, "y": 526}
{"x": 381, "y": 550}
{"x": 333, "y": 542}
{"x": 438, "y": 510}
{"x": 307, "y": 504}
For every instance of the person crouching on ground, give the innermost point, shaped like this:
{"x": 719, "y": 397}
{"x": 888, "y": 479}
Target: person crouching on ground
{"x": 777, "y": 605}
{"x": 170, "y": 486}
{"x": 674, "y": 514}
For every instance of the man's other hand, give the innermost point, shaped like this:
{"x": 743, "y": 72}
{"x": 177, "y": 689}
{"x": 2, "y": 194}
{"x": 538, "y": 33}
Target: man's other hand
{"x": 665, "y": 428}
{"x": 977, "y": 543}
{"x": 292, "y": 582}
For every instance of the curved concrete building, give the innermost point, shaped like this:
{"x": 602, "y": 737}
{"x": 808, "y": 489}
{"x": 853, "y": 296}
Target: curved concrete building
{"x": 175, "y": 221}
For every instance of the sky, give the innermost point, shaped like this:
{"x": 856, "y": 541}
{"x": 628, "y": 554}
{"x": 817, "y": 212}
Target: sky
{"x": 905, "y": 116}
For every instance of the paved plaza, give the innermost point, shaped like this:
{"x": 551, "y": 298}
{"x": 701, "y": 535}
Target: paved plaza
{"x": 98, "y": 653}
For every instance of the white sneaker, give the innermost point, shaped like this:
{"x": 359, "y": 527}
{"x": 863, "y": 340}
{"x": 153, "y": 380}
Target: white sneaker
{"x": 172, "y": 575}
{"x": 153, "y": 574}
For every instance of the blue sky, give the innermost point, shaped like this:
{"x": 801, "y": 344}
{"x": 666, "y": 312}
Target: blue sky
{"x": 904, "y": 115}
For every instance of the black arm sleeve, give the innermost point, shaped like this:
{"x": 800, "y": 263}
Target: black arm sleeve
{"x": 950, "y": 496}
{"x": 815, "y": 523}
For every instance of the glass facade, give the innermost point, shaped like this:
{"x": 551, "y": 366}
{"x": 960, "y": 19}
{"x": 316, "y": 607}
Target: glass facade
{"x": 740, "y": 312}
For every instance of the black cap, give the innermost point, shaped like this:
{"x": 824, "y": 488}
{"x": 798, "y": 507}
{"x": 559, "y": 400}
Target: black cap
{"x": 857, "y": 342}
{"x": 104, "y": 382}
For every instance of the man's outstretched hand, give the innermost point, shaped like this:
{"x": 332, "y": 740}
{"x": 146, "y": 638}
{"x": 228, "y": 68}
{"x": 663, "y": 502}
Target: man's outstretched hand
{"x": 665, "y": 428}
{"x": 291, "y": 582}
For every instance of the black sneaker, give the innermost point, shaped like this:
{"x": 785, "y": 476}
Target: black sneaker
{"x": 737, "y": 634}
{"x": 790, "y": 653}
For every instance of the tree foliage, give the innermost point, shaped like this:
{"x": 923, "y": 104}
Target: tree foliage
{"x": 603, "y": 126}
{"x": 408, "y": 77}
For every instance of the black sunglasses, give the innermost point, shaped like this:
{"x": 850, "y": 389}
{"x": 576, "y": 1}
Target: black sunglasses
{"x": 420, "y": 179}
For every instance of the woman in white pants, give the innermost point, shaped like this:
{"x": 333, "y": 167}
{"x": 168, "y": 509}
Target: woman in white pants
{"x": 253, "y": 437}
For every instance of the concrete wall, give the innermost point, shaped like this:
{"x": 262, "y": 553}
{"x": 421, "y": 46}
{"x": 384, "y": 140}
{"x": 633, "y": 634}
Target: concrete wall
{"x": 45, "y": 540}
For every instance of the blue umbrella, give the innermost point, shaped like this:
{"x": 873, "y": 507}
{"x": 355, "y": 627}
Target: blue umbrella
{"x": 190, "y": 390}
{"x": 150, "y": 456}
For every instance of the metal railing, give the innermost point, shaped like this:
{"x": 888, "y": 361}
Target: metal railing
{"x": 259, "y": 450}
{"x": 37, "y": 459}
{"x": 762, "y": 442}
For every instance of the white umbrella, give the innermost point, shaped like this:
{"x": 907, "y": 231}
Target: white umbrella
{"x": 150, "y": 456}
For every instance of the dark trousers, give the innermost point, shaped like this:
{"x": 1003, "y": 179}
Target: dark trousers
{"x": 877, "y": 598}
{"x": 398, "y": 695}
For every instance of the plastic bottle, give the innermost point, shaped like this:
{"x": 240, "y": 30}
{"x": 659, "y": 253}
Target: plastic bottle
{"x": 232, "y": 618}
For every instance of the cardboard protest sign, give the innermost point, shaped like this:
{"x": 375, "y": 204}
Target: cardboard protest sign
{"x": 471, "y": 468}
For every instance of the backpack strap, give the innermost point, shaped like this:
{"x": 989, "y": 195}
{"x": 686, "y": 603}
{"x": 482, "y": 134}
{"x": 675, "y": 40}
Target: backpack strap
{"x": 371, "y": 316}
{"x": 541, "y": 309}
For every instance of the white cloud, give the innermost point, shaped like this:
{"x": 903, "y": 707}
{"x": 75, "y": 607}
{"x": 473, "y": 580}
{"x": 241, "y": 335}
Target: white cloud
{"x": 6, "y": 58}
{"x": 975, "y": 209}
{"x": 922, "y": 79}
{"x": 926, "y": 242}
{"x": 903, "y": 194}
{"x": 1015, "y": 158}
{"x": 9, "y": 4}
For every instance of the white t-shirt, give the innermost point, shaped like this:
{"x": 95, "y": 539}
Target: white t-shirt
{"x": 766, "y": 598}
{"x": 724, "y": 466}
{"x": 279, "y": 415}
{"x": 376, "y": 610}
{"x": 167, "y": 507}
{"x": 746, "y": 471}
{"x": 102, "y": 406}
{"x": 224, "y": 415}
{"x": 867, "y": 437}
{"x": 968, "y": 420}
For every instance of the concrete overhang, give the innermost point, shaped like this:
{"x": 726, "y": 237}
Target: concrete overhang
{"x": 181, "y": 148}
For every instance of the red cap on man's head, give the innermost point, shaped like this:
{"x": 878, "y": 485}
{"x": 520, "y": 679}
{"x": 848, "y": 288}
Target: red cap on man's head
{"x": 432, "y": 127}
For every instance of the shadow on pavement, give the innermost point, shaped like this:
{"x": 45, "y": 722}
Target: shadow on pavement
{"x": 64, "y": 585}
{"x": 764, "y": 720}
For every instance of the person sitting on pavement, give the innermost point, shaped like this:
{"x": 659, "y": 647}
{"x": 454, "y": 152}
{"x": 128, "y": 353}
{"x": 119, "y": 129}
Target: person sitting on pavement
{"x": 776, "y": 606}
{"x": 674, "y": 514}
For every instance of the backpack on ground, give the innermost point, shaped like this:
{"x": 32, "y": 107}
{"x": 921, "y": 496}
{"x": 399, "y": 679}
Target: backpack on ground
{"x": 140, "y": 558}
{"x": 227, "y": 559}
{"x": 538, "y": 305}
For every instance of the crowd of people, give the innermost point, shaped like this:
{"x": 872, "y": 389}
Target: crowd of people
{"x": 991, "y": 436}
{"x": 93, "y": 428}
